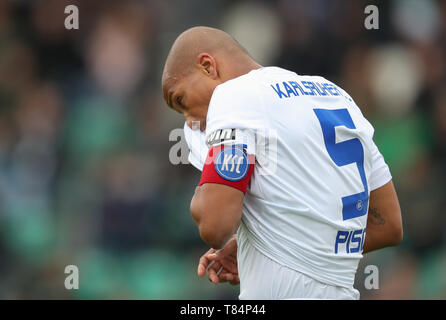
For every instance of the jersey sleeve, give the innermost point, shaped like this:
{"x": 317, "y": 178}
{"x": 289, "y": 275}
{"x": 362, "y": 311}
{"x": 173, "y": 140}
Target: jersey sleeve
{"x": 230, "y": 159}
{"x": 234, "y": 115}
{"x": 228, "y": 164}
{"x": 380, "y": 170}
{"x": 236, "y": 105}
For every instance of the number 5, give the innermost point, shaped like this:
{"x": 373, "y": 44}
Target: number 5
{"x": 343, "y": 153}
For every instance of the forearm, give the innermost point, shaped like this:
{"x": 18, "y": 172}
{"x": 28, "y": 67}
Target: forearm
{"x": 374, "y": 241}
{"x": 218, "y": 242}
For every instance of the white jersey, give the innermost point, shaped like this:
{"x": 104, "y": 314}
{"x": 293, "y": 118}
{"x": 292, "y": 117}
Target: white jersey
{"x": 316, "y": 163}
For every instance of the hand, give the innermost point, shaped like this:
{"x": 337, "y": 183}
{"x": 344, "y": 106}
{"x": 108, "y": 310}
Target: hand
{"x": 221, "y": 265}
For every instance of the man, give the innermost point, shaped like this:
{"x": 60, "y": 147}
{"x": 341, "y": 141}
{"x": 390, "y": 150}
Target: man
{"x": 293, "y": 189}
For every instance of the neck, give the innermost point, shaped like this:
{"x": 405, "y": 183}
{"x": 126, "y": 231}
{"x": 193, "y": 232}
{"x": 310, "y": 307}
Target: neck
{"x": 239, "y": 67}
{"x": 246, "y": 66}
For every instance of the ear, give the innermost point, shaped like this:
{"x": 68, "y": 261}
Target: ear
{"x": 207, "y": 64}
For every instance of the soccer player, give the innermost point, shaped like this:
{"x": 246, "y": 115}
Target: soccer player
{"x": 293, "y": 189}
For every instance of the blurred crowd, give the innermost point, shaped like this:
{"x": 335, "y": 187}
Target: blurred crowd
{"x": 85, "y": 177}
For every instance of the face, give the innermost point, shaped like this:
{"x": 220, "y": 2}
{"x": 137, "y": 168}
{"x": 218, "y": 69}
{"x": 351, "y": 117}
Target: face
{"x": 190, "y": 95}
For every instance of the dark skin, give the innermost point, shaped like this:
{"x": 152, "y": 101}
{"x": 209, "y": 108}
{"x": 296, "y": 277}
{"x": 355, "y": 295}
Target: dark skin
{"x": 190, "y": 94}
{"x": 214, "y": 58}
{"x": 384, "y": 223}
{"x": 200, "y": 59}
{"x": 384, "y": 229}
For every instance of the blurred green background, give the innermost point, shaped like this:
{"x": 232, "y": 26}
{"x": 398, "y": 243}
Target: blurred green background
{"x": 85, "y": 177}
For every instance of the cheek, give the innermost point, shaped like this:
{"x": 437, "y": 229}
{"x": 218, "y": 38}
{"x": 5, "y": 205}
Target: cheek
{"x": 200, "y": 106}
{"x": 202, "y": 93}
{"x": 198, "y": 101}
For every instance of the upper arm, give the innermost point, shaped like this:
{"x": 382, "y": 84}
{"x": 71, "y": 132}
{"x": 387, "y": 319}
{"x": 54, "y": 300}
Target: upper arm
{"x": 217, "y": 210}
{"x": 384, "y": 222}
{"x": 233, "y": 115}
{"x": 384, "y": 217}
{"x": 218, "y": 200}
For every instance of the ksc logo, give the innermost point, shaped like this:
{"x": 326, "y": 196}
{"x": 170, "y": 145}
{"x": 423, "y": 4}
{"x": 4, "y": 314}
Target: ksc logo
{"x": 232, "y": 163}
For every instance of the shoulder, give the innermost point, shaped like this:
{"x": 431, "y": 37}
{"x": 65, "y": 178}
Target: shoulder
{"x": 243, "y": 87}
{"x": 236, "y": 96}
{"x": 237, "y": 101}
